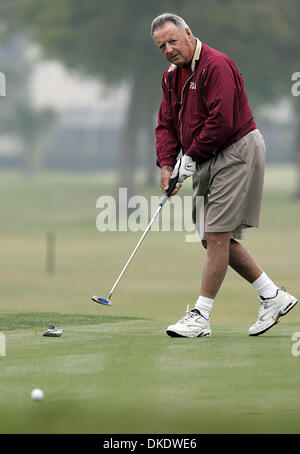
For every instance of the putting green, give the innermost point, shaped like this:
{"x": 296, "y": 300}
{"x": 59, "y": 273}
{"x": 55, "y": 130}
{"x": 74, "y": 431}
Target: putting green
{"x": 106, "y": 375}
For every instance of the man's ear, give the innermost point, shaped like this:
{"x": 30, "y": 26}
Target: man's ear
{"x": 188, "y": 31}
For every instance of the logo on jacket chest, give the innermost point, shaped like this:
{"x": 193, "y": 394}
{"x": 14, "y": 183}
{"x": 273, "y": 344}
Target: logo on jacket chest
{"x": 193, "y": 86}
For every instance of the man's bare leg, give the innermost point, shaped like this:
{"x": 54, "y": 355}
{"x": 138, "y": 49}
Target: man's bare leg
{"x": 217, "y": 260}
{"x": 221, "y": 252}
{"x": 239, "y": 258}
{"x": 243, "y": 262}
{"x": 245, "y": 265}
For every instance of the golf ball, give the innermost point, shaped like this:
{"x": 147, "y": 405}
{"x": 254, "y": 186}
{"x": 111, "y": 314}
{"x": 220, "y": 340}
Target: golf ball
{"x": 37, "y": 394}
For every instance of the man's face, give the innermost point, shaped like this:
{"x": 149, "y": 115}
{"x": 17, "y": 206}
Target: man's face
{"x": 177, "y": 44}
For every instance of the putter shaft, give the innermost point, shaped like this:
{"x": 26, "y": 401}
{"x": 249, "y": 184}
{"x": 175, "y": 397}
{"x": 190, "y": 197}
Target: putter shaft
{"x": 172, "y": 185}
{"x": 165, "y": 198}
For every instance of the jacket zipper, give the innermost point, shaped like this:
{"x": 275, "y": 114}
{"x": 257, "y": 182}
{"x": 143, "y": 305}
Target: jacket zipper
{"x": 179, "y": 115}
{"x": 181, "y": 101}
{"x": 201, "y": 90}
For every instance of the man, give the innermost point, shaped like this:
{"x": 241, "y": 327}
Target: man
{"x": 205, "y": 114}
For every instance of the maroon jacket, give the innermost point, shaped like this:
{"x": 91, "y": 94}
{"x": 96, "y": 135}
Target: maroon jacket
{"x": 213, "y": 111}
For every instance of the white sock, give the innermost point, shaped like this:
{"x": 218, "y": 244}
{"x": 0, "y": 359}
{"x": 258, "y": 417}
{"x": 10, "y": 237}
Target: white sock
{"x": 204, "y": 305}
{"x": 265, "y": 287}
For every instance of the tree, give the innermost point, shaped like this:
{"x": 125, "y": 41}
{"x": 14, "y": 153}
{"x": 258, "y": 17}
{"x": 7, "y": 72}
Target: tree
{"x": 18, "y": 117}
{"x": 111, "y": 40}
{"x": 16, "y": 70}
{"x": 32, "y": 126}
{"x": 106, "y": 40}
{"x": 262, "y": 36}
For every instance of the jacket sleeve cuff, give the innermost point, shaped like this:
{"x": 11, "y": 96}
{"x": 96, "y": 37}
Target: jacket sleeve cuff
{"x": 166, "y": 162}
{"x": 200, "y": 156}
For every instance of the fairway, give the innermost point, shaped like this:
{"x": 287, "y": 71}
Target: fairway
{"x": 114, "y": 370}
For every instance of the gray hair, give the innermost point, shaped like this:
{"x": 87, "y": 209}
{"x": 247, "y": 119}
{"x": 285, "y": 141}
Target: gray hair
{"x": 160, "y": 21}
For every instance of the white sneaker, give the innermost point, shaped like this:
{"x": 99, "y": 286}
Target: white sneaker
{"x": 193, "y": 324}
{"x": 270, "y": 311}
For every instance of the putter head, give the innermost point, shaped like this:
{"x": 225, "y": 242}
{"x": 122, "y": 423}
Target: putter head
{"x": 100, "y": 300}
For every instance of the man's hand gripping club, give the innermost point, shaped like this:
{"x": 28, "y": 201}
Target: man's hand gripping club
{"x": 185, "y": 167}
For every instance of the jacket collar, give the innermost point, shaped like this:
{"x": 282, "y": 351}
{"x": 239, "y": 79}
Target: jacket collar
{"x": 195, "y": 57}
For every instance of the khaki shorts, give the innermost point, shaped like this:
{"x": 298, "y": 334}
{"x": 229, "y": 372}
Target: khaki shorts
{"x": 228, "y": 188}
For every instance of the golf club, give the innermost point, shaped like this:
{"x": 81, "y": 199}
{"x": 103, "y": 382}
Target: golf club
{"x": 171, "y": 188}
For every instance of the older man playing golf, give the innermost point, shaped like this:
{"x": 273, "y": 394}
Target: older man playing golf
{"x": 205, "y": 114}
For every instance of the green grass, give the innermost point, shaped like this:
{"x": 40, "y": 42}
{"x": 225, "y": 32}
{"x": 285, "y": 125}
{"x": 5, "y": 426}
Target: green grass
{"x": 128, "y": 377}
{"x": 14, "y": 320}
{"x": 114, "y": 370}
